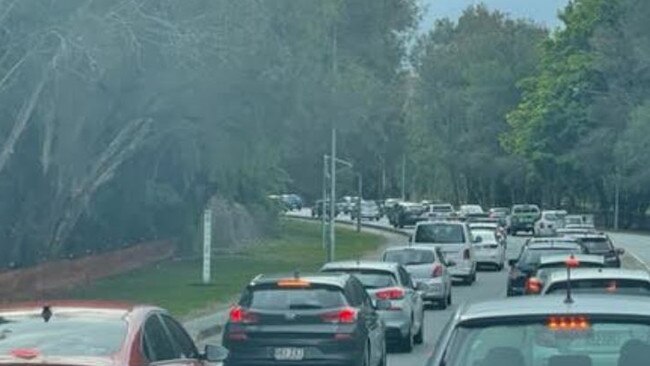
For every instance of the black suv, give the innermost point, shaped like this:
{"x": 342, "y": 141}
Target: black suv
{"x": 323, "y": 319}
{"x": 522, "y": 268}
{"x": 600, "y": 244}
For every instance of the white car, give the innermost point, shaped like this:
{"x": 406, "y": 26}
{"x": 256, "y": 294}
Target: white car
{"x": 470, "y": 210}
{"x": 488, "y": 248}
{"x": 455, "y": 242}
{"x": 549, "y": 222}
{"x": 440, "y": 211}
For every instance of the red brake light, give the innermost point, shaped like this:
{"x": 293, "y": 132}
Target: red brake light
{"x": 572, "y": 262}
{"x": 568, "y": 323}
{"x": 341, "y": 316}
{"x": 240, "y": 315}
{"x": 533, "y": 286}
{"x": 25, "y": 353}
{"x": 395, "y": 293}
{"x": 437, "y": 271}
{"x": 466, "y": 254}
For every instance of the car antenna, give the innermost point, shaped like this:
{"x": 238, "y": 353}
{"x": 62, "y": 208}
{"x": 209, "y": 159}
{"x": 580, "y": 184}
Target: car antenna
{"x": 46, "y": 313}
{"x": 571, "y": 262}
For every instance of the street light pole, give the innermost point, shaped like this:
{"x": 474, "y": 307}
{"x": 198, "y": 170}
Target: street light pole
{"x": 332, "y": 242}
{"x": 323, "y": 207}
{"x": 360, "y": 194}
{"x": 404, "y": 177}
{"x": 616, "y": 201}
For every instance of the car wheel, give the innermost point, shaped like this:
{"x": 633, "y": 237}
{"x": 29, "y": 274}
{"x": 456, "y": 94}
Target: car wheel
{"x": 419, "y": 337}
{"x": 406, "y": 343}
{"x": 449, "y": 298}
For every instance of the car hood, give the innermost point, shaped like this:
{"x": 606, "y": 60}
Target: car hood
{"x": 59, "y": 361}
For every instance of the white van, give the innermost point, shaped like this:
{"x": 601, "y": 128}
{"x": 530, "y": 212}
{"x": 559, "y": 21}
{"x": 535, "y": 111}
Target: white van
{"x": 455, "y": 241}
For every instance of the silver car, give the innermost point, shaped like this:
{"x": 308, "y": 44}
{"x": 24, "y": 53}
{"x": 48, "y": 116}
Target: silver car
{"x": 488, "y": 249}
{"x": 455, "y": 242}
{"x": 428, "y": 268}
{"x": 547, "y": 331}
{"x": 404, "y": 319}
{"x": 612, "y": 281}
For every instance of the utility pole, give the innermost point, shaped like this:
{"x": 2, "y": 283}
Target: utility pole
{"x": 360, "y": 193}
{"x": 404, "y": 177}
{"x": 324, "y": 207}
{"x": 616, "y": 201}
{"x": 331, "y": 253}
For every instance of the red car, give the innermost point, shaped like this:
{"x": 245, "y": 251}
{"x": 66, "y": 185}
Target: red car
{"x": 80, "y": 333}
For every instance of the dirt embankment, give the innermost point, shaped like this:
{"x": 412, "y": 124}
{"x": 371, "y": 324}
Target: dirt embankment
{"x": 47, "y": 279}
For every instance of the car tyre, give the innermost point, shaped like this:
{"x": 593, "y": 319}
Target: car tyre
{"x": 449, "y": 298}
{"x": 419, "y": 337}
{"x": 406, "y": 343}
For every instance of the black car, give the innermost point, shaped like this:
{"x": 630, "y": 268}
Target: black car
{"x": 292, "y": 201}
{"x": 407, "y": 213}
{"x": 522, "y": 268}
{"x": 317, "y": 210}
{"x": 320, "y": 319}
{"x": 600, "y": 244}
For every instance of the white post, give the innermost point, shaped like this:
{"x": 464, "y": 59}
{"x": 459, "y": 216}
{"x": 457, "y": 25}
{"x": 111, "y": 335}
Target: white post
{"x": 332, "y": 243}
{"x": 616, "y": 202}
{"x": 207, "y": 244}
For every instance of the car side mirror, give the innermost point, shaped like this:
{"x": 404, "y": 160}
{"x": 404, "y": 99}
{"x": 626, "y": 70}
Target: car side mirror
{"x": 512, "y": 262}
{"x": 382, "y": 305}
{"x": 215, "y": 353}
{"x": 620, "y": 251}
{"x": 478, "y": 239}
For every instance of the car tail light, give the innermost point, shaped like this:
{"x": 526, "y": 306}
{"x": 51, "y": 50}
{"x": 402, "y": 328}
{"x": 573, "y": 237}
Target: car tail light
{"x": 241, "y": 315}
{"x": 437, "y": 271}
{"x": 466, "y": 254}
{"x": 342, "y": 316}
{"x": 390, "y": 294}
{"x": 533, "y": 286}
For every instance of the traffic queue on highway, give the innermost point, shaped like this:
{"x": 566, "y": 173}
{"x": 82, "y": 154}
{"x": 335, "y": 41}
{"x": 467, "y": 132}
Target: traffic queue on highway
{"x": 568, "y": 302}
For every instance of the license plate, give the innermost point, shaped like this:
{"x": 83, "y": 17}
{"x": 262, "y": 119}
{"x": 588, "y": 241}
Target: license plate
{"x": 289, "y": 354}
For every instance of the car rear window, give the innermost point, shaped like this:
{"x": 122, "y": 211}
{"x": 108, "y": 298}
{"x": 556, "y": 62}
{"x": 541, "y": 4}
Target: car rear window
{"x": 533, "y": 256}
{"x": 65, "y": 334}
{"x": 596, "y": 244}
{"x": 410, "y": 256}
{"x": 487, "y": 236}
{"x": 294, "y": 299}
{"x": 525, "y": 210}
{"x": 442, "y": 208}
{"x": 370, "y": 278}
{"x": 603, "y": 286}
{"x": 563, "y": 265}
{"x": 440, "y": 234}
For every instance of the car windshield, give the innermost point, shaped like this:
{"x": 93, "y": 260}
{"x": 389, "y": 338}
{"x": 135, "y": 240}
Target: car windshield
{"x": 533, "y": 256}
{"x": 612, "y": 286}
{"x": 537, "y": 343}
{"x": 525, "y": 210}
{"x": 440, "y": 234}
{"x": 410, "y": 256}
{"x": 596, "y": 244}
{"x": 63, "y": 335}
{"x": 294, "y": 299}
{"x": 487, "y": 236}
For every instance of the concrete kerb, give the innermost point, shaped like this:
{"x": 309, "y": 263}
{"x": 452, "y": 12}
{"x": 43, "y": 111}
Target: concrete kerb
{"x": 208, "y": 326}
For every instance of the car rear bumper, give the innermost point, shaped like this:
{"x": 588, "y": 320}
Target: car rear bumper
{"x": 397, "y": 324}
{"x": 321, "y": 352}
{"x": 461, "y": 270}
{"x": 491, "y": 258}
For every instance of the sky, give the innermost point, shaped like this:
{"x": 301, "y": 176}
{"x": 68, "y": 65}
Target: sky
{"x": 540, "y": 11}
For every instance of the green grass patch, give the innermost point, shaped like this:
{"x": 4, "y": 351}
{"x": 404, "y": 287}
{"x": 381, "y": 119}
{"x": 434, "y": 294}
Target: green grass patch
{"x": 175, "y": 286}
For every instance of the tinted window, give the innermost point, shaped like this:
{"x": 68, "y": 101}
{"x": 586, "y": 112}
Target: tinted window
{"x": 371, "y": 278}
{"x": 185, "y": 345}
{"x": 533, "y": 256}
{"x": 604, "y": 286}
{"x": 596, "y": 244}
{"x": 404, "y": 278}
{"x": 440, "y": 234}
{"x": 533, "y": 343}
{"x": 525, "y": 210}
{"x": 294, "y": 299}
{"x": 442, "y": 208}
{"x": 63, "y": 335}
{"x": 157, "y": 345}
{"x": 410, "y": 256}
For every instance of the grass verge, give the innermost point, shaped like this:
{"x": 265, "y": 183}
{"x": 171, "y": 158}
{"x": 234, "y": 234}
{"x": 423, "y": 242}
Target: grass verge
{"x": 175, "y": 286}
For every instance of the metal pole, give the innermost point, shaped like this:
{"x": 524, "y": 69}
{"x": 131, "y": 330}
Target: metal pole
{"x": 323, "y": 207}
{"x": 360, "y": 193}
{"x": 207, "y": 244}
{"x": 616, "y": 203}
{"x": 403, "y": 177}
{"x": 332, "y": 243}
